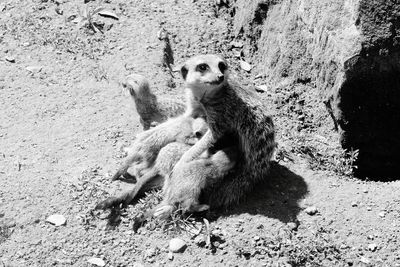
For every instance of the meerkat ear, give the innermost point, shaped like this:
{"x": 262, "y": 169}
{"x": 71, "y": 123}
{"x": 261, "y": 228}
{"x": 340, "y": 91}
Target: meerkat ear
{"x": 184, "y": 71}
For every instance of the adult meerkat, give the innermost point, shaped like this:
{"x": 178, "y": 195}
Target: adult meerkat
{"x": 152, "y": 111}
{"x": 147, "y": 145}
{"x": 153, "y": 178}
{"x": 231, "y": 110}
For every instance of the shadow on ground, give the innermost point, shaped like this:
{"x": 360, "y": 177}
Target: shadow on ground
{"x": 278, "y": 197}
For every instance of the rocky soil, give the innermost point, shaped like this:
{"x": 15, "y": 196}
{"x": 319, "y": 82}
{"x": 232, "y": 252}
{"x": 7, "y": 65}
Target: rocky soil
{"x": 64, "y": 119}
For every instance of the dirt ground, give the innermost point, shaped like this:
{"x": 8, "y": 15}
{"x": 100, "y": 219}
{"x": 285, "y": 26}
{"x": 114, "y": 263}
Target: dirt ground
{"x": 64, "y": 119}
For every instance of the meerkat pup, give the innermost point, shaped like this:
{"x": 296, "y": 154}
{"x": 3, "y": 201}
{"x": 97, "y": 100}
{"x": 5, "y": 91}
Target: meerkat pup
{"x": 152, "y": 111}
{"x": 153, "y": 177}
{"x": 231, "y": 110}
{"x": 148, "y": 144}
{"x": 184, "y": 189}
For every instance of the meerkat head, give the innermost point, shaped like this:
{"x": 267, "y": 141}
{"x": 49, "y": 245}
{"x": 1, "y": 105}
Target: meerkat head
{"x": 199, "y": 127}
{"x": 205, "y": 74}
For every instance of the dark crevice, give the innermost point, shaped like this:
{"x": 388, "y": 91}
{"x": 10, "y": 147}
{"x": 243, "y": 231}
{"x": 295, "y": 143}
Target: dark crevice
{"x": 369, "y": 101}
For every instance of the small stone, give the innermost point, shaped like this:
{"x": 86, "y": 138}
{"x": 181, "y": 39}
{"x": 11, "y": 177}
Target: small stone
{"x": 199, "y": 240}
{"x": 236, "y": 44}
{"x": 256, "y": 238}
{"x": 10, "y": 59}
{"x": 34, "y": 69}
{"x": 56, "y": 219}
{"x": 301, "y": 117}
{"x": 292, "y": 226}
{"x": 372, "y": 247}
{"x": 312, "y": 210}
{"x": 364, "y": 260}
{"x": 223, "y": 245}
{"x": 151, "y": 252}
{"x": 354, "y": 204}
{"x": 245, "y": 66}
{"x": 370, "y": 237}
{"x": 365, "y": 191}
{"x": 382, "y": 214}
{"x": 170, "y": 256}
{"x": 369, "y": 208}
{"x": 262, "y": 88}
{"x": 215, "y": 232}
{"x": 97, "y": 262}
{"x": 177, "y": 245}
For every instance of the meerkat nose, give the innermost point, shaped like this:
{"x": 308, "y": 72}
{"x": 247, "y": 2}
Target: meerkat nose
{"x": 220, "y": 78}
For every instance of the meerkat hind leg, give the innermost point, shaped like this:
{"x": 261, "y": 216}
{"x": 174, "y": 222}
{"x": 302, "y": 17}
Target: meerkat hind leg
{"x": 163, "y": 211}
{"x": 151, "y": 180}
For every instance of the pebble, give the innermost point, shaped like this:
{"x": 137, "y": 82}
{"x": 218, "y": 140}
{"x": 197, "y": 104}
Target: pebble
{"x": 34, "y": 69}
{"x": 354, "y": 204}
{"x": 369, "y": 208}
{"x": 56, "y": 219}
{"x": 97, "y": 261}
{"x": 177, "y": 245}
{"x": 215, "y": 232}
{"x": 199, "y": 240}
{"x": 365, "y": 260}
{"x": 10, "y": 59}
{"x": 151, "y": 252}
{"x": 292, "y": 226}
{"x": 262, "y": 88}
{"x": 372, "y": 247}
{"x": 236, "y": 44}
{"x": 312, "y": 210}
{"x": 382, "y": 214}
{"x": 170, "y": 256}
{"x": 245, "y": 66}
{"x": 256, "y": 238}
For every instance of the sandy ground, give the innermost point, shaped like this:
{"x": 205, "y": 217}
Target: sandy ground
{"x": 64, "y": 119}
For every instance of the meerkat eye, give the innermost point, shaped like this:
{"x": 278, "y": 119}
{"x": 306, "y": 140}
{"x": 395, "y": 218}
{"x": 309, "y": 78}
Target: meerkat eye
{"x": 184, "y": 72}
{"x": 222, "y": 67}
{"x": 202, "y": 67}
{"x": 198, "y": 135}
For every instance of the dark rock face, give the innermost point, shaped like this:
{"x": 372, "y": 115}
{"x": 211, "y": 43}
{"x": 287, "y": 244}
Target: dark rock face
{"x": 351, "y": 50}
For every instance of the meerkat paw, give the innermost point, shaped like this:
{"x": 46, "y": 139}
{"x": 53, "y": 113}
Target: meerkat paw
{"x": 199, "y": 208}
{"x": 154, "y": 124}
{"x": 163, "y": 212}
{"x": 109, "y": 203}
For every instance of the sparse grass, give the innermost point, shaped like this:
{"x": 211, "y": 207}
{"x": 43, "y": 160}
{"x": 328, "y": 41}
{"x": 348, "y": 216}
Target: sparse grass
{"x": 339, "y": 160}
{"x": 5, "y": 233}
{"x": 36, "y": 28}
{"x": 99, "y": 73}
{"x": 310, "y": 249}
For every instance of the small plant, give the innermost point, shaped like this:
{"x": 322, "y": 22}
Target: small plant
{"x": 344, "y": 164}
{"x": 87, "y": 17}
{"x": 5, "y": 233}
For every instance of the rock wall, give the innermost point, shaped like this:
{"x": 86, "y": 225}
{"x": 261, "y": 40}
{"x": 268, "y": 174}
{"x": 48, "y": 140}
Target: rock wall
{"x": 351, "y": 50}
